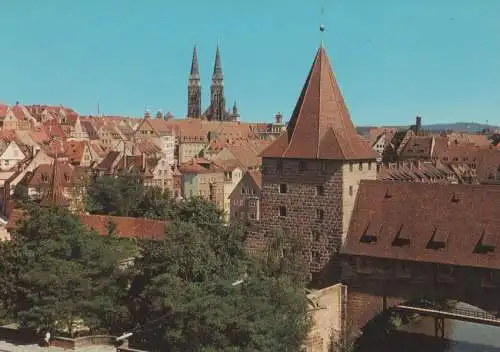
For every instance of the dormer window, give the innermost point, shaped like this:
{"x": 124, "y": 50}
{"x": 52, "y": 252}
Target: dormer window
{"x": 302, "y": 165}
{"x": 371, "y": 233}
{"x": 486, "y": 243}
{"x": 402, "y": 238}
{"x": 439, "y": 239}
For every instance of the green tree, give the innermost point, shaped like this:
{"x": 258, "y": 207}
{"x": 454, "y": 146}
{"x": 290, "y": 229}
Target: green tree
{"x": 125, "y": 195}
{"x": 63, "y": 274}
{"x": 182, "y": 297}
{"x": 21, "y": 194}
{"x": 155, "y": 204}
{"x": 118, "y": 196}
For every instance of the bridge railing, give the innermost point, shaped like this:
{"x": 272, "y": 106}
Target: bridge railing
{"x": 465, "y": 312}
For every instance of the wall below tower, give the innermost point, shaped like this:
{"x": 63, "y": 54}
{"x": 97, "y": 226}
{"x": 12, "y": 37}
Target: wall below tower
{"x": 352, "y": 174}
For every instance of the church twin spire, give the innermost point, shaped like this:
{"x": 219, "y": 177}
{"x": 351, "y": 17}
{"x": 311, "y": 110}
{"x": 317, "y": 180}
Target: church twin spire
{"x": 217, "y": 109}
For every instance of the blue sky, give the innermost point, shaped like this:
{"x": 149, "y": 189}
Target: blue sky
{"x": 393, "y": 58}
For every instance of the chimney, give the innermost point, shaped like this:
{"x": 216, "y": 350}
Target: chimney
{"x": 278, "y": 118}
{"x": 147, "y": 114}
{"x": 418, "y": 124}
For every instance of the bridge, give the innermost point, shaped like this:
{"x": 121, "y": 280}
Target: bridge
{"x": 407, "y": 242}
{"x": 468, "y": 315}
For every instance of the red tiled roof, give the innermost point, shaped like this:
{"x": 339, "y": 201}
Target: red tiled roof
{"x": 74, "y": 150}
{"x": 53, "y": 129}
{"x": 257, "y": 177}
{"x": 321, "y": 126}
{"x": 198, "y": 166}
{"x": 126, "y": 226}
{"x": 421, "y": 212}
{"x": 3, "y": 110}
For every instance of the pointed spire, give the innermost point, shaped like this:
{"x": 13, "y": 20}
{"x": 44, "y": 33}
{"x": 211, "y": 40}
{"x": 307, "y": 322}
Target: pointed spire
{"x": 235, "y": 109}
{"x": 320, "y": 126}
{"x": 217, "y": 66}
{"x": 54, "y": 195}
{"x": 195, "y": 70}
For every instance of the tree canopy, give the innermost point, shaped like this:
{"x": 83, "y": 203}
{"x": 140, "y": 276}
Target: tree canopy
{"x": 176, "y": 294}
{"x": 56, "y": 274}
{"x": 126, "y": 195}
{"x": 182, "y": 297}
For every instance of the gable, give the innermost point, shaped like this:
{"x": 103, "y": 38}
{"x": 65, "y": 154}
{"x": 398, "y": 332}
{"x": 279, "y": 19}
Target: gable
{"x": 13, "y": 152}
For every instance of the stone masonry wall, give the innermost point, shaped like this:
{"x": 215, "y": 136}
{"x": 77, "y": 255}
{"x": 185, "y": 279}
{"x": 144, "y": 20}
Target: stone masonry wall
{"x": 326, "y": 318}
{"x": 313, "y": 203}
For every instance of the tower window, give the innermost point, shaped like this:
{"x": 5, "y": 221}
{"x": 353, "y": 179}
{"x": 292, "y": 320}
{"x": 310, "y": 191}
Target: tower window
{"x": 369, "y": 165}
{"x": 316, "y": 235}
{"x": 279, "y": 166}
{"x": 351, "y": 191}
{"x": 320, "y": 190}
{"x": 350, "y": 167}
{"x": 283, "y": 188}
{"x": 324, "y": 166}
{"x": 320, "y": 214}
{"x": 360, "y": 166}
{"x": 282, "y": 211}
{"x": 302, "y": 165}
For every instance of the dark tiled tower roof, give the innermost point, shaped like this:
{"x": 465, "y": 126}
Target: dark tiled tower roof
{"x": 195, "y": 70}
{"x": 217, "y": 75}
{"x": 55, "y": 193}
{"x": 320, "y": 126}
{"x": 194, "y": 88}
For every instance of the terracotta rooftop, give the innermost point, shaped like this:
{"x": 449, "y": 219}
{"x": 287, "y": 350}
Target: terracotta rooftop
{"x": 126, "y": 226}
{"x": 437, "y": 223}
{"x": 199, "y": 166}
{"x": 320, "y": 126}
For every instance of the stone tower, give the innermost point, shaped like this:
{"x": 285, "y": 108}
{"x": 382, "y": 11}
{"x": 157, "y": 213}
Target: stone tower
{"x": 312, "y": 171}
{"x": 217, "y": 99}
{"x": 194, "y": 88}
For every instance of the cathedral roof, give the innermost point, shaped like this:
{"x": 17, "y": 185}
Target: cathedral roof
{"x": 320, "y": 126}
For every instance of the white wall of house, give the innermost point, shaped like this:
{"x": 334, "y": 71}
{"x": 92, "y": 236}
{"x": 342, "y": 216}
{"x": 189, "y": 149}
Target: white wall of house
{"x": 11, "y": 156}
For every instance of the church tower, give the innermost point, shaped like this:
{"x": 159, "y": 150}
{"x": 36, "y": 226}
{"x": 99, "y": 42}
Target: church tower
{"x": 194, "y": 88}
{"x": 311, "y": 173}
{"x": 217, "y": 99}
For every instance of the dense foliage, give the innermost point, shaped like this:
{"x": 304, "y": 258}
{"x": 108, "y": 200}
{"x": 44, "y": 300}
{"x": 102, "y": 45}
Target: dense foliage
{"x": 57, "y": 274}
{"x": 126, "y": 195}
{"x": 176, "y": 295}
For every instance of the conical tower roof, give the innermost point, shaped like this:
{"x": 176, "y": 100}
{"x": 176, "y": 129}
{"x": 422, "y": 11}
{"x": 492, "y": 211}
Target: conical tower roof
{"x": 55, "y": 193}
{"x": 217, "y": 75}
{"x": 195, "y": 70}
{"x": 320, "y": 126}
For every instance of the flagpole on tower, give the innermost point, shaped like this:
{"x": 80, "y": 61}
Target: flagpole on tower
{"x": 322, "y": 25}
